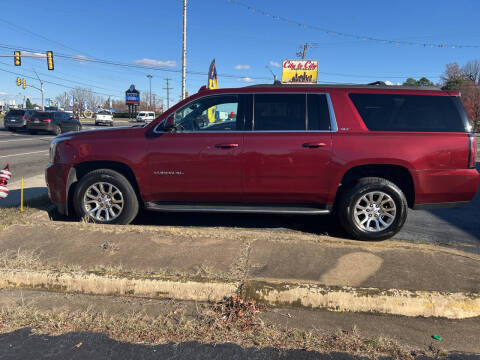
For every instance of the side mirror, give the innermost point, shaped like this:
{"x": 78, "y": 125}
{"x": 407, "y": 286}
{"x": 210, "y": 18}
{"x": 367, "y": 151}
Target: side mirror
{"x": 169, "y": 124}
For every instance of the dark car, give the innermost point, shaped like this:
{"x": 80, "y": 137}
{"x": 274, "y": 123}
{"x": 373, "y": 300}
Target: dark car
{"x": 56, "y": 122}
{"x": 363, "y": 153}
{"x": 17, "y": 119}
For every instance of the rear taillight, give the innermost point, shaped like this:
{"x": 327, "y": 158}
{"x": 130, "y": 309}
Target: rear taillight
{"x": 472, "y": 151}
{"x": 47, "y": 120}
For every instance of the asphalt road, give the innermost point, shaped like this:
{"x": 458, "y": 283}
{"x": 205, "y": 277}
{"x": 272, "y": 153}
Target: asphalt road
{"x": 23, "y": 344}
{"x": 28, "y": 154}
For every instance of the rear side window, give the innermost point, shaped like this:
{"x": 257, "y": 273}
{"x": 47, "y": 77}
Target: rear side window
{"x": 277, "y": 112}
{"x": 318, "y": 113}
{"x": 291, "y": 112}
{"x": 391, "y": 112}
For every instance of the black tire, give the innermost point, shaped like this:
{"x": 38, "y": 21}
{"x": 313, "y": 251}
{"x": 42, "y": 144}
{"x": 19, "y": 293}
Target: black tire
{"x": 349, "y": 197}
{"x": 57, "y": 130}
{"x": 130, "y": 206}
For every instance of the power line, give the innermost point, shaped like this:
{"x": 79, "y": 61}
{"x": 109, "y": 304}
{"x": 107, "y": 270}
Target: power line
{"x": 40, "y": 36}
{"x": 51, "y": 82}
{"x": 69, "y": 80}
{"x": 349, "y": 35}
{"x": 107, "y": 62}
{"x": 126, "y": 65}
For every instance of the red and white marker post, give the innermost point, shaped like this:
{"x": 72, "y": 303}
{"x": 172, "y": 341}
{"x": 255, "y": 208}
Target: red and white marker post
{"x": 5, "y": 175}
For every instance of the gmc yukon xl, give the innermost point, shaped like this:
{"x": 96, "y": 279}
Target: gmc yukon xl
{"x": 363, "y": 153}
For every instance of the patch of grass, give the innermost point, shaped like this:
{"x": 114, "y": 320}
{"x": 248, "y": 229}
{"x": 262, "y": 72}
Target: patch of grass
{"x": 12, "y": 215}
{"x": 31, "y": 260}
{"x": 208, "y": 324}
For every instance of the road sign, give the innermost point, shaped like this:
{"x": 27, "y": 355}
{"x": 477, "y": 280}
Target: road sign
{"x": 132, "y": 96}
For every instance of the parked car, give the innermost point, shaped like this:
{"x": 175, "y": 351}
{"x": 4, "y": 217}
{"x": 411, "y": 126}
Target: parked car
{"x": 145, "y": 116}
{"x": 56, "y": 122}
{"x": 17, "y": 119}
{"x": 363, "y": 153}
{"x": 104, "y": 117}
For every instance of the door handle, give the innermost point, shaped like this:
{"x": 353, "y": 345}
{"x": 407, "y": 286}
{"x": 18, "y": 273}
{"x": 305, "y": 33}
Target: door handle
{"x": 226, "y": 146}
{"x": 314, "y": 145}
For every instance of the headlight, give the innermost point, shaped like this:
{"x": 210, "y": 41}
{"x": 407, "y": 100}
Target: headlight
{"x": 53, "y": 146}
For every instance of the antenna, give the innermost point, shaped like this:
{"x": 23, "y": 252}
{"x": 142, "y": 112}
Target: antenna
{"x": 275, "y": 81}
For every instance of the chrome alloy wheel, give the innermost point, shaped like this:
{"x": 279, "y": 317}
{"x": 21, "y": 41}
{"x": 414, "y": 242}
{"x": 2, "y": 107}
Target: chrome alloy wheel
{"x": 375, "y": 211}
{"x": 103, "y": 201}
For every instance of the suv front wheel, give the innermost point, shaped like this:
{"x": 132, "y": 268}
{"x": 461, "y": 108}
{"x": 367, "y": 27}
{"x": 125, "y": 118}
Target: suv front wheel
{"x": 372, "y": 209}
{"x": 107, "y": 197}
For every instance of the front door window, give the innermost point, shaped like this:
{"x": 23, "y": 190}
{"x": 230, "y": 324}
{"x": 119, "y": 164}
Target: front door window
{"x": 214, "y": 113}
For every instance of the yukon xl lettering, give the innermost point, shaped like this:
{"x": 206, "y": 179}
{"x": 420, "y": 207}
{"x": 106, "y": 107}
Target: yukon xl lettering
{"x": 364, "y": 153}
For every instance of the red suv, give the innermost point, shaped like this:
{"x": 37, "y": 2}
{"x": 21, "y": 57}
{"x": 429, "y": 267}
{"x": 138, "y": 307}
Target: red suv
{"x": 364, "y": 153}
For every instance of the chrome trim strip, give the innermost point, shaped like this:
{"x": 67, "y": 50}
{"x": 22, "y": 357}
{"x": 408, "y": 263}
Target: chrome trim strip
{"x": 173, "y": 208}
{"x": 333, "y": 119}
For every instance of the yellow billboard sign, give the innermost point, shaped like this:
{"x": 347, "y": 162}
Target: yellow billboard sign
{"x": 300, "y": 71}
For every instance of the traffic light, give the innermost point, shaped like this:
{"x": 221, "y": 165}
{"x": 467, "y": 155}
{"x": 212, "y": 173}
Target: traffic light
{"x": 50, "y": 60}
{"x": 19, "y": 81}
{"x": 17, "y": 60}
{"x": 24, "y": 84}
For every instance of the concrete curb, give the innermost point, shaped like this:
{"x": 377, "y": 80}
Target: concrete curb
{"x": 391, "y": 301}
{"x": 343, "y": 299}
{"x": 110, "y": 285}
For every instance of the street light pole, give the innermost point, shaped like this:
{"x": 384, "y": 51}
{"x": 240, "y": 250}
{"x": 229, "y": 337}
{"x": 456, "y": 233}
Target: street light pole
{"x": 150, "y": 93}
{"x": 41, "y": 90}
{"x": 184, "y": 52}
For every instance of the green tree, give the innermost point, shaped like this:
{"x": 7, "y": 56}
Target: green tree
{"x": 410, "y": 82}
{"x": 425, "y": 82}
{"x": 28, "y": 104}
{"x": 421, "y": 82}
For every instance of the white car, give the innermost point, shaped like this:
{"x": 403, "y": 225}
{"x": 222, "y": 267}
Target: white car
{"x": 146, "y": 116}
{"x": 104, "y": 117}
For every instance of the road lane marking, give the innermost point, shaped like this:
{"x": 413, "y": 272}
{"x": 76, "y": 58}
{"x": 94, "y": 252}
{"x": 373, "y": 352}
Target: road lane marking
{"x": 27, "y": 139}
{"x": 28, "y": 153}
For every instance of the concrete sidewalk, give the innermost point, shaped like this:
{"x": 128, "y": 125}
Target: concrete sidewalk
{"x": 33, "y": 187}
{"x": 274, "y": 267}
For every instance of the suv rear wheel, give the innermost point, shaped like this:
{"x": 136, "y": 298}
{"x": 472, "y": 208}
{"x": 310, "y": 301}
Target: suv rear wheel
{"x": 372, "y": 209}
{"x": 107, "y": 197}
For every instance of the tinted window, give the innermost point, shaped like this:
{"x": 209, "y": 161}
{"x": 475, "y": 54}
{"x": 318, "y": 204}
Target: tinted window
{"x": 214, "y": 113}
{"x": 42, "y": 115}
{"x": 16, "y": 113}
{"x": 386, "y": 112}
{"x": 318, "y": 112}
{"x": 277, "y": 112}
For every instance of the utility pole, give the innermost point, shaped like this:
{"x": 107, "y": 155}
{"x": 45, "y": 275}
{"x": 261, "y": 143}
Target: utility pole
{"x": 150, "y": 93}
{"x": 41, "y": 90}
{"x": 303, "y": 51}
{"x": 168, "y": 92}
{"x": 184, "y": 51}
